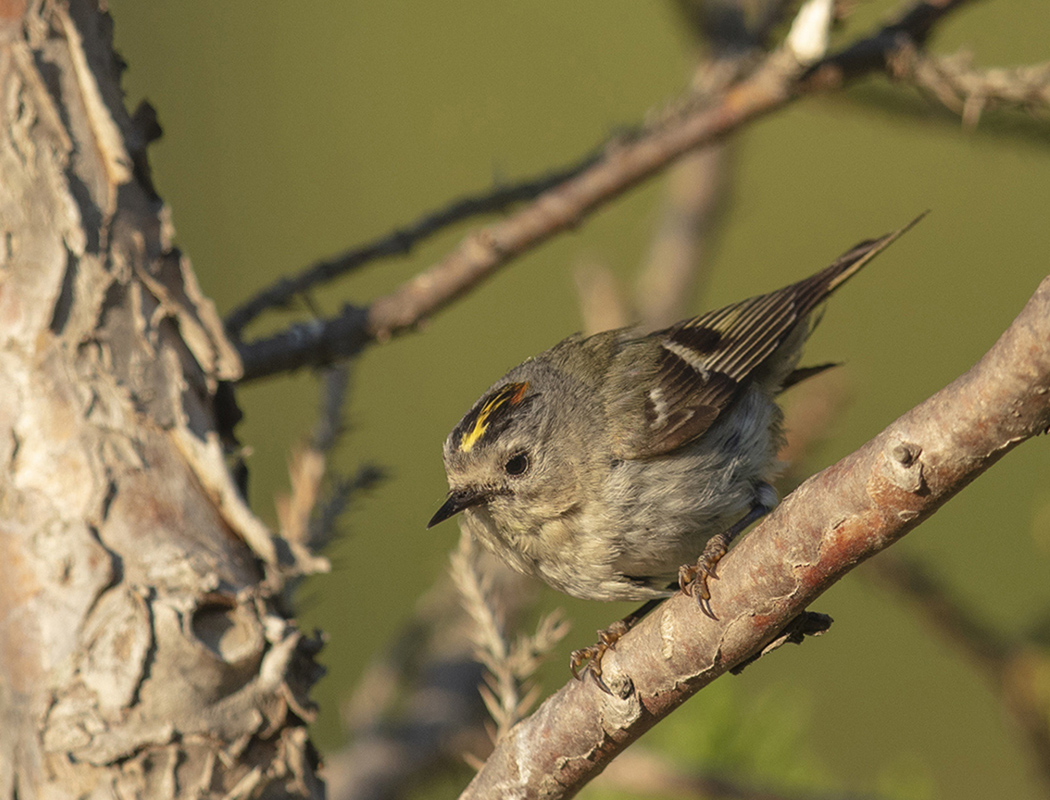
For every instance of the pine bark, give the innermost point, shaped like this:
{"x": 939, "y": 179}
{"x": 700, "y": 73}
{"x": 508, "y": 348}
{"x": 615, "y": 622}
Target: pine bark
{"x": 144, "y": 646}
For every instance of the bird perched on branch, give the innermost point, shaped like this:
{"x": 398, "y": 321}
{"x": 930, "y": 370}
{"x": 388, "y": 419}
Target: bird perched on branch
{"x": 621, "y": 466}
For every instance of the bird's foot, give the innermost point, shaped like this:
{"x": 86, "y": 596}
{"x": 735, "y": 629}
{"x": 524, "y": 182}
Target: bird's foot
{"x": 588, "y": 660}
{"x": 693, "y": 578}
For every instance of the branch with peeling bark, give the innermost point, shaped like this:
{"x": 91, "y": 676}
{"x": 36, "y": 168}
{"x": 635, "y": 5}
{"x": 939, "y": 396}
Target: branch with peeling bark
{"x": 767, "y": 86}
{"x": 145, "y": 645}
{"x": 840, "y": 517}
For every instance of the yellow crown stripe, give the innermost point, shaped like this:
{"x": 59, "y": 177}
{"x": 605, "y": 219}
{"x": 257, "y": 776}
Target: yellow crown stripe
{"x": 512, "y": 394}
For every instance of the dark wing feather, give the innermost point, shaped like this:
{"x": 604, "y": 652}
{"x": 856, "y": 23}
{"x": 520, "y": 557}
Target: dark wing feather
{"x": 703, "y": 363}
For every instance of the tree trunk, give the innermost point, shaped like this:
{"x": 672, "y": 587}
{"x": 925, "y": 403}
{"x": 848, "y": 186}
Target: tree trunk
{"x": 144, "y": 646}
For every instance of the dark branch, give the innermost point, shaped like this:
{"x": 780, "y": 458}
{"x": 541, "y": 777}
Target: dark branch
{"x": 771, "y": 85}
{"x": 874, "y": 53}
{"x": 400, "y": 242}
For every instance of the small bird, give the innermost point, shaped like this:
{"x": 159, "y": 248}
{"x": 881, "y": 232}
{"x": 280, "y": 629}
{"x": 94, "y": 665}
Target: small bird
{"x": 621, "y": 466}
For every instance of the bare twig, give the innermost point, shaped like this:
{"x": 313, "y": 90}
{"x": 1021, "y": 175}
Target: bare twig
{"x": 772, "y": 84}
{"x": 335, "y": 384}
{"x": 309, "y": 460}
{"x": 308, "y": 515}
{"x": 875, "y": 52}
{"x": 835, "y": 520}
{"x": 401, "y": 241}
{"x": 508, "y": 691}
{"x": 674, "y": 268}
{"x": 966, "y": 91}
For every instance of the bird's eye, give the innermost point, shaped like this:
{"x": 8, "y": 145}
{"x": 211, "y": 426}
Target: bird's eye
{"x": 517, "y": 464}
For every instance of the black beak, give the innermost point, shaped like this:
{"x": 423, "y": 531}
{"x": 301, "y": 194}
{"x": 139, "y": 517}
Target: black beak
{"x": 457, "y": 501}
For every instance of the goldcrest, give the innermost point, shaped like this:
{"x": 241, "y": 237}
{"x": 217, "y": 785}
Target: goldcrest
{"x": 609, "y": 462}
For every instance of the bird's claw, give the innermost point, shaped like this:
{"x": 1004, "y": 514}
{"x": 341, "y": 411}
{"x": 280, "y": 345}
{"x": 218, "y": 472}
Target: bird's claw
{"x": 693, "y": 578}
{"x": 588, "y": 660}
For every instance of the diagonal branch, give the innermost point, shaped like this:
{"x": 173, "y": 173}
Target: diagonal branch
{"x": 772, "y": 84}
{"x": 968, "y": 91}
{"x": 400, "y": 241}
{"x": 875, "y": 52}
{"x": 835, "y": 520}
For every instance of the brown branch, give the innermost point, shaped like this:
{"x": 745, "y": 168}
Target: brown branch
{"x": 399, "y": 242}
{"x": 835, "y": 520}
{"x": 772, "y": 84}
{"x": 675, "y": 264}
{"x": 708, "y": 24}
{"x": 966, "y": 91}
{"x": 560, "y": 209}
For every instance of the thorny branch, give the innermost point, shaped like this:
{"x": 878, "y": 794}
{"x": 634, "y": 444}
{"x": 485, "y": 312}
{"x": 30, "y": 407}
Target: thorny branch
{"x": 835, "y": 520}
{"x": 770, "y": 85}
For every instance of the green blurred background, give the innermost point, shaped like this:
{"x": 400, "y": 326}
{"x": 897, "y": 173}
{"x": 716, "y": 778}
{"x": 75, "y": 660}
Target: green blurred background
{"x": 296, "y": 130}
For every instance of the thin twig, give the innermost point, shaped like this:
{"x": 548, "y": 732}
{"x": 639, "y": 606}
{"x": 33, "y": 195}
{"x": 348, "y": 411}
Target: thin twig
{"x": 308, "y": 515}
{"x": 875, "y": 52}
{"x": 401, "y": 241}
{"x": 509, "y": 690}
{"x": 774, "y": 83}
{"x": 966, "y": 91}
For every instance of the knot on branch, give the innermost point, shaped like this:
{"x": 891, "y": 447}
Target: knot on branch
{"x": 903, "y": 467}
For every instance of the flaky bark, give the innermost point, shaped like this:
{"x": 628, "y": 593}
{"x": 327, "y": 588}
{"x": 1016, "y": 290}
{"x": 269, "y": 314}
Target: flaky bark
{"x": 143, "y": 649}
